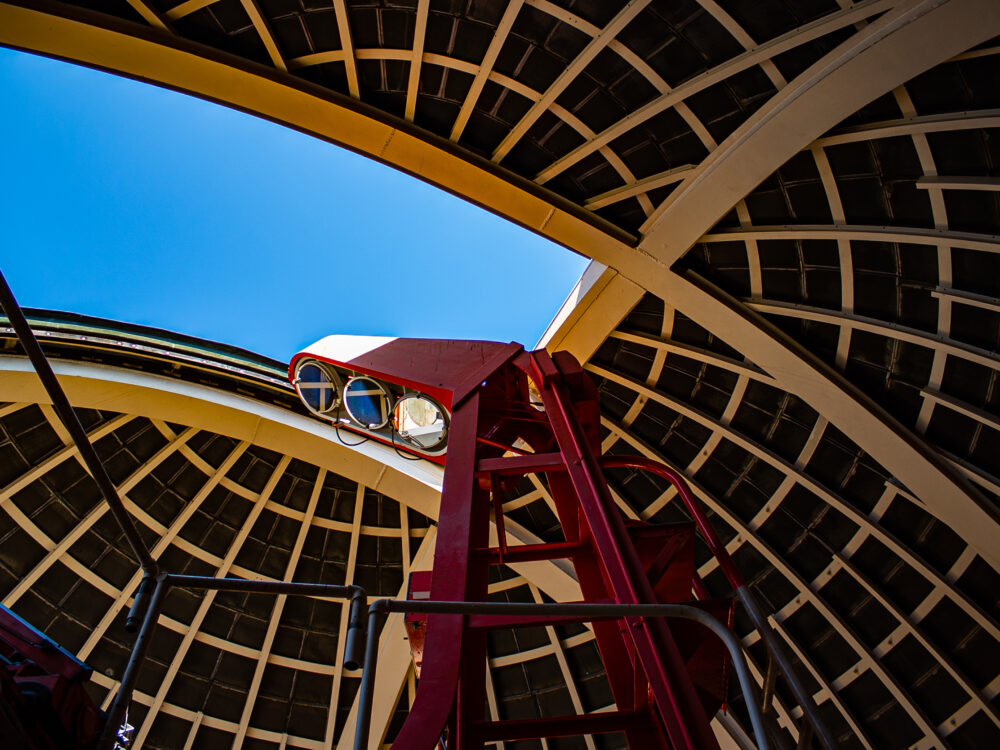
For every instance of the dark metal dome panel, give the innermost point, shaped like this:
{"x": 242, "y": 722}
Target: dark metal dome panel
{"x": 890, "y": 611}
{"x": 208, "y": 505}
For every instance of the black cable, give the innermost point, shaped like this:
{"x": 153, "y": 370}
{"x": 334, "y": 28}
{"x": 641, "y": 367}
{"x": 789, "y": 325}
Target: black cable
{"x": 399, "y": 452}
{"x": 336, "y": 426}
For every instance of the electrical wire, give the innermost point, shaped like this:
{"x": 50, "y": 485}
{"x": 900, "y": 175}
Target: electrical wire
{"x": 399, "y": 452}
{"x": 336, "y": 427}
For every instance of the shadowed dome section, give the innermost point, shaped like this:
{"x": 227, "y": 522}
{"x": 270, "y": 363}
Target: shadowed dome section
{"x": 278, "y": 498}
{"x": 207, "y": 503}
{"x": 795, "y": 209}
{"x": 889, "y": 611}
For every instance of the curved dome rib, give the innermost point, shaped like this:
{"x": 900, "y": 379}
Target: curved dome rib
{"x": 902, "y": 43}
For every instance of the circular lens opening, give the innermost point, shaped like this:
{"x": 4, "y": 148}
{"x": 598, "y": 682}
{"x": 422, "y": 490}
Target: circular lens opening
{"x": 366, "y": 402}
{"x": 318, "y": 386}
{"x": 419, "y": 422}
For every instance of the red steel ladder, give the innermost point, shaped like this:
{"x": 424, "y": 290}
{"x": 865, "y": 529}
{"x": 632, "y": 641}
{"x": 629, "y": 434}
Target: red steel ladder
{"x": 667, "y": 679}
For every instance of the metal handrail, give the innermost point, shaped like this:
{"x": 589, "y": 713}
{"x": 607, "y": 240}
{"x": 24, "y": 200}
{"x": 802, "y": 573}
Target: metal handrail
{"x": 774, "y": 646}
{"x": 353, "y": 646}
{"x": 381, "y": 608}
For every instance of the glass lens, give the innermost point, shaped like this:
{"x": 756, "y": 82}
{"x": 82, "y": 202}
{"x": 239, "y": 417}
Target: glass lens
{"x": 419, "y": 422}
{"x": 366, "y": 402}
{"x": 316, "y": 387}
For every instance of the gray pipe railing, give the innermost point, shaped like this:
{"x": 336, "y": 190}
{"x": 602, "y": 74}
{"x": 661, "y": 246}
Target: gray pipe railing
{"x": 354, "y": 645}
{"x": 379, "y": 610}
{"x": 779, "y": 653}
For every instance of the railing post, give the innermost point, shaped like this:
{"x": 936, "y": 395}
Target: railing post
{"x": 357, "y": 622}
{"x": 366, "y": 693}
{"x": 109, "y": 737}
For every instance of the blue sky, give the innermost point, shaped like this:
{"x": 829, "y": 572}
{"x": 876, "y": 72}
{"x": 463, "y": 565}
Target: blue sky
{"x": 130, "y": 202}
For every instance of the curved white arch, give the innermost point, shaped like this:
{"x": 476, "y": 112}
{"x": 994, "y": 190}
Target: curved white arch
{"x": 131, "y": 394}
{"x": 93, "y": 386}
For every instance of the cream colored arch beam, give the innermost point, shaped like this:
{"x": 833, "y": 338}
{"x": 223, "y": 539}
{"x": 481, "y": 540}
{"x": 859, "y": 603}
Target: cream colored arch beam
{"x": 100, "y": 387}
{"x": 898, "y": 46}
{"x": 413, "y": 81}
{"x": 598, "y": 43}
{"x": 394, "y": 661}
{"x": 757, "y": 56}
{"x": 984, "y": 243}
{"x": 901, "y": 44}
{"x": 416, "y": 484}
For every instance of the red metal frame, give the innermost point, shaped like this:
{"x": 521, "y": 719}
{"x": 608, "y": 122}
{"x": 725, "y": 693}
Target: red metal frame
{"x": 662, "y": 677}
{"x": 44, "y": 685}
{"x": 715, "y": 544}
{"x": 445, "y": 370}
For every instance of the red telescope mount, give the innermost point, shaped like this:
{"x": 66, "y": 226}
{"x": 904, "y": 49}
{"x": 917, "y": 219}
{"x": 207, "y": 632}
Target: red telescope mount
{"x": 514, "y": 413}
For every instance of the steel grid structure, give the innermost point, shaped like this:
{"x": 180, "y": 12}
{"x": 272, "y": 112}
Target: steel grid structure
{"x": 812, "y": 188}
{"x": 234, "y": 494}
